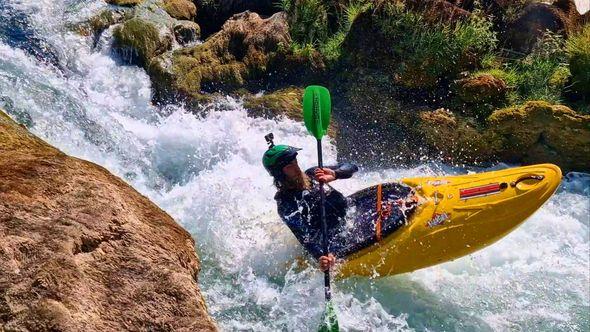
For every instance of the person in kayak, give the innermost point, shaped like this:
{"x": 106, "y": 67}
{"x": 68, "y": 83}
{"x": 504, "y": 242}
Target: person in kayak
{"x": 298, "y": 198}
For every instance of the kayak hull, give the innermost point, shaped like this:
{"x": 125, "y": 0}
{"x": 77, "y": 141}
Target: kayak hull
{"x": 457, "y": 215}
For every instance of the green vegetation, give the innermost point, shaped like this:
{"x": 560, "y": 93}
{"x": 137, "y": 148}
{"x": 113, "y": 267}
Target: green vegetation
{"x": 308, "y": 20}
{"x": 429, "y": 52}
{"x": 541, "y": 75}
{"x": 578, "y": 52}
{"x": 538, "y": 73}
{"x": 309, "y": 25}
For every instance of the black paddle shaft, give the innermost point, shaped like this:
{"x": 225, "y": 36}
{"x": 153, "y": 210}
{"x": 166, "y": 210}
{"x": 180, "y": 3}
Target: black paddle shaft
{"x": 327, "y": 290}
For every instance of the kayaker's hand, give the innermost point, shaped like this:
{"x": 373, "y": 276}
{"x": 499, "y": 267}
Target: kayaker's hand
{"x": 327, "y": 262}
{"x": 325, "y": 175}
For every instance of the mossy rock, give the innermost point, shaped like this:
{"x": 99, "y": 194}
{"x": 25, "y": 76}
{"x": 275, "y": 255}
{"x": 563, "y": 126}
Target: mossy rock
{"x": 287, "y": 102}
{"x": 143, "y": 37}
{"x": 535, "y": 132}
{"x": 540, "y": 132}
{"x": 180, "y": 9}
{"x": 481, "y": 88}
{"x": 456, "y": 138}
{"x": 127, "y": 3}
{"x": 241, "y": 54}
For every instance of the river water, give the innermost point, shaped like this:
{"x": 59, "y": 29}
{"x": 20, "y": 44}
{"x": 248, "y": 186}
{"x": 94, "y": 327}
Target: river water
{"x": 205, "y": 171}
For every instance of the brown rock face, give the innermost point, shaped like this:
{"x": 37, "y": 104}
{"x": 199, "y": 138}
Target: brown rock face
{"x": 481, "y": 88}
{"x": 80, "y": 250}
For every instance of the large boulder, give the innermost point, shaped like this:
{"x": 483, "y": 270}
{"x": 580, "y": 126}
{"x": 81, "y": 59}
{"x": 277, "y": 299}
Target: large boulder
{"x": 146, "y": 34}
{"x": 140, "y": 40}
{"x": 535, "y": 132}
{"x": 154, "y": 27}
{"x": 535, "y": 19}
{"x": 80, "y": 250}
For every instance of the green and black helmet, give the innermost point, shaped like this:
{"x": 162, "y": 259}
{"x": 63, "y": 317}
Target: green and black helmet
{"x": 277, "y": 157}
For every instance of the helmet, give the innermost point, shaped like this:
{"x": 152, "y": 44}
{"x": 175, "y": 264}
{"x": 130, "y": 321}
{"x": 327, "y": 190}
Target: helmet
{"x": 277, "y": 157}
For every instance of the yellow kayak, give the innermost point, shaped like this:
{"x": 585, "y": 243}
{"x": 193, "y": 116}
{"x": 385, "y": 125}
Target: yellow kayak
{"x": 455, "y": 216}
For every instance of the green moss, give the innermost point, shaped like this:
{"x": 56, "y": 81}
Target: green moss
{"x": 559, "y": 78}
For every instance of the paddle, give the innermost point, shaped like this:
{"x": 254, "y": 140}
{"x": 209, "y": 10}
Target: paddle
{"x": 316, "y": 114}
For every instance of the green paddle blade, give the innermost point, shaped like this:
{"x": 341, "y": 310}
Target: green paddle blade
{"x": 316, "y": 110}
{"x": 330, "y": 320}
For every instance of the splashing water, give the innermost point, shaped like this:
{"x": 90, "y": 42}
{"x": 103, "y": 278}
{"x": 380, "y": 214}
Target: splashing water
{"x": 205, "y": 171}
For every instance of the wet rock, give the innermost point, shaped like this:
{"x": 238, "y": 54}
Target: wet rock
{"x": 147, "y": 34}
{"x": 140, "y": 39}
{"x": 481, "y": 88}
{"x": 374, "y": 121}
{"x": 535, "y": 132}
{"x": 186, "y": 32}
{"x": 180, "y": 9}
{"x": 82, "y": 250}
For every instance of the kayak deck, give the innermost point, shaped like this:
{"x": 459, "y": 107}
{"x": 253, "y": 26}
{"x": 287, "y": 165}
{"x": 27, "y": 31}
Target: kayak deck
{"x": 456, "y": 216}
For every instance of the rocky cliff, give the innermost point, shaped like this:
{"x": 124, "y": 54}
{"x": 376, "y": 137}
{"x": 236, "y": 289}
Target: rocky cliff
{"x": 82, "y": 250}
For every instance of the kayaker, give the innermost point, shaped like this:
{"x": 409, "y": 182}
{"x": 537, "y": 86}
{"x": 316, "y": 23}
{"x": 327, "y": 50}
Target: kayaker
{"x": 298, "y": 199}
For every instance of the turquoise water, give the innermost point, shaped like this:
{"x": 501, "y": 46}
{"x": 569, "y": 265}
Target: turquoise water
{"x": 205, "y": 171}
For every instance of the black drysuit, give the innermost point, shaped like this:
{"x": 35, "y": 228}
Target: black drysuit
{"x": 300, "y": 210}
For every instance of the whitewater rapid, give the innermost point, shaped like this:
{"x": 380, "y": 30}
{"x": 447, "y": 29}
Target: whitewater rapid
{"x": 204, "y": 168}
